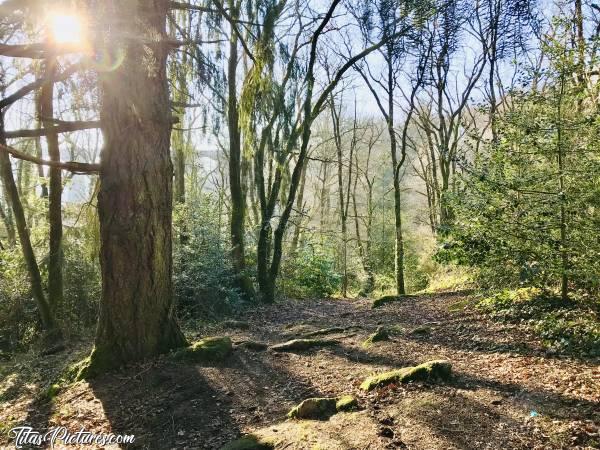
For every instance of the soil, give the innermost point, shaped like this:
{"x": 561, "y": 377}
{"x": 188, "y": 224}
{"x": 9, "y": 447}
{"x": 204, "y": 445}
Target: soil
{"x": 506, "y": 391}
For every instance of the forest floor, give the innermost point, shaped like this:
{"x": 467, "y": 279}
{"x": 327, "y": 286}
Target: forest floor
{"x": 506, "y": 390}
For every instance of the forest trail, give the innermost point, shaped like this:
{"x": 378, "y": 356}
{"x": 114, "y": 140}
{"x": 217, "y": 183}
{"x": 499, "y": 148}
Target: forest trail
{"x": 506, "y": 391}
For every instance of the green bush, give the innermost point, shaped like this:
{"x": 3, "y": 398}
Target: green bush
{"x": 571, "y": 326}
{"x": 18, "y": 312}
{"x": 310, "y": 273}
{"x": 203, "y": 276}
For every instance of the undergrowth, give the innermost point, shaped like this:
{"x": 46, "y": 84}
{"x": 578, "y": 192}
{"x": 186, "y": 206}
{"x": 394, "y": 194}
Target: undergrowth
{"x": 570, "y": 327}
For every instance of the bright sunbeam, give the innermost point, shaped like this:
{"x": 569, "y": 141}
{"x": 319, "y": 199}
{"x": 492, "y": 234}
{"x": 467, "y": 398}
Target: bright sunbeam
{"x": 66, "y": 29}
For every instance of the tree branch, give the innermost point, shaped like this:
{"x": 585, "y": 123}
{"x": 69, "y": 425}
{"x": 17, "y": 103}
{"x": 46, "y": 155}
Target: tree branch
{"x": 37, "y": 50}
{"x": 61, "y": 127}
{"x": 71, "y": 166}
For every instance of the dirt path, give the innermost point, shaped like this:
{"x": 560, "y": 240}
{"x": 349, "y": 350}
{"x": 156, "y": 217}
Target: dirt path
{"x": 506, "y": 391}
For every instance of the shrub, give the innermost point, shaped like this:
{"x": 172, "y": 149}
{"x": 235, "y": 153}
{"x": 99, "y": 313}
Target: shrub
{"x": 203, "y": 276}
{"x": 563, "y": 326}
{"x": 310, "y": 273}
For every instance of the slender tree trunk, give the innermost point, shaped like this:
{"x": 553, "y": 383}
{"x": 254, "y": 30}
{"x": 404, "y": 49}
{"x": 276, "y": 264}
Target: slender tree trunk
{"x": 335, "y": 116}
{"x": 238, "y": 196}
{"x": 564, "y": 255}
{"x": 8, "y": 224}
{"x": 399, "y": 240}
{"x": 263, "y": 253}
{"x": 47, "y": 318}
{"x": 299, "y": 216}
{"x": 55, "y": 256}
{"x": 137, "y": 317}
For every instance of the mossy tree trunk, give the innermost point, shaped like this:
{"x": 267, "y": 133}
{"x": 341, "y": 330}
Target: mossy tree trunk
{"x": 137, "y": 318}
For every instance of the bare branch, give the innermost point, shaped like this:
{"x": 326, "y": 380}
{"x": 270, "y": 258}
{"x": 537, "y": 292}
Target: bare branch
{"x": 61, "y": 127}
{"x": 71, "y": 166}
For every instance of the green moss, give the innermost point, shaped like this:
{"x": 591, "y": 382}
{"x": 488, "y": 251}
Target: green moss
{"x": 314, "y": 409}
{"x": 236, "y": 325}
{"x": 83, "y": 369}
{"x": 206, "y": 350}
{"x": 428, "y": 371}
{"x": 322, "y": 408}
{"x": 302, "y": 344}
{"x": 388, "y": 299}
{"x": 52, "y": 391}
{"x": 250, "y": 442}
{"x": 346, "y": 403}
{"x": 382, "y": 334}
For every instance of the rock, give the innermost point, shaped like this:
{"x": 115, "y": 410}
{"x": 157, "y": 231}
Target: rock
{"x": 381, "y": 334}
{"x": 388, "y": 299}
{"x": 386, "y": 432}
{"x": 346, "y": 403}
{"x": 322, "y": 408}
{"x": 253, "y": 346}
{"x": 250, "y": 442}
{"x": 428, "y": 371}
{"x": 314, "y": 409}
{"x": 208, "y": 349}
{"x": 236, "y": 325}
{"x": 301, "y": 344}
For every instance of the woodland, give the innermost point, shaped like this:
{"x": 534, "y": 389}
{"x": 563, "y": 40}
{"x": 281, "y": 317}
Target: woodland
{"x": 286, "y": 224}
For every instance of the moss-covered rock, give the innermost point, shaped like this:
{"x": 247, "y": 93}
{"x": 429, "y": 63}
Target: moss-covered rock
{"x": 250, "y": 442}
{"x": 428, "y": 371}
{"x": 235, "y": 325}
{"x": 388, "y": 299}
{"x": 206, "y": 350}
{"x": 382, "y": 334}
{"x": 302, "y": 344}
{"x": 314, "y": 409}
{"x": 346, "y": 403}
{"x": 322, "y": 408}
{"x": 253, "y": 346}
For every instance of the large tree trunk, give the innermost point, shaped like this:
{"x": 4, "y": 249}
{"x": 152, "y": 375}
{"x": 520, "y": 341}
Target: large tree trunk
{"x": 55, "y": 256}
{"x": 137, "y": 318}
{"x": 48, "y": 321}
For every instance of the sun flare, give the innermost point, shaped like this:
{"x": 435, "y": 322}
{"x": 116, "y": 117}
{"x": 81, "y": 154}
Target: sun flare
{"x": 66, "y": 29}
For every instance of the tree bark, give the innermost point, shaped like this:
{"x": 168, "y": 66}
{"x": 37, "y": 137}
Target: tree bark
{"x": 6, "y": 217}
{"x": 238, "y": 196}
{"x": 55, "y": 256}
{"x": 137, "y": 317}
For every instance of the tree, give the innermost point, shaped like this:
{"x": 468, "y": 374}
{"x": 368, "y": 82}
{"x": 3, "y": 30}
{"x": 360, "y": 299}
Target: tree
{"x": 137, "y": 317}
